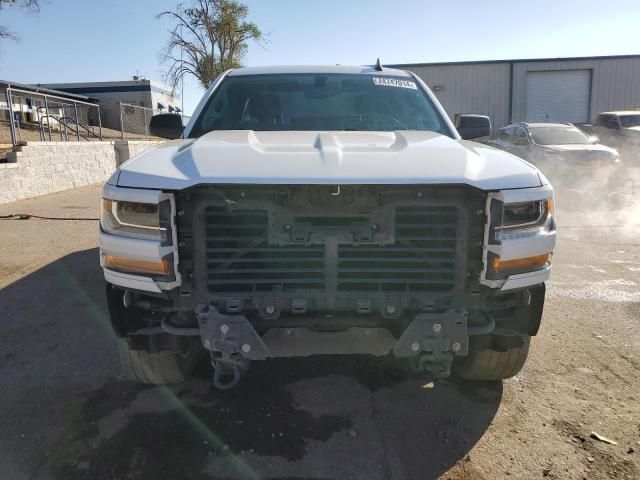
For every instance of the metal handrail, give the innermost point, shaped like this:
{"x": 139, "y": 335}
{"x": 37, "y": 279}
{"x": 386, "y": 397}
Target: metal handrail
{"x": 62, "y": 120}
{"x": 67, "y": 100}
{"x": 65, "y": 125}
{"x": 86, "y": 129}
{"x": 63, "y": 103}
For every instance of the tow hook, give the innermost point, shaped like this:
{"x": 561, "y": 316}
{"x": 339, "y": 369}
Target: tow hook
{"x": 232, "y": 342}
{"x": 438, "y": 366}
{"x": 220, "y": 385}
{"x": 227, "y": 369}
{"x": 432, "y": 340}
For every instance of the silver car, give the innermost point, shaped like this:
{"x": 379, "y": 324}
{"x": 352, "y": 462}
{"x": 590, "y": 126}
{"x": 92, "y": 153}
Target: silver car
{"x": 559, "y": 150}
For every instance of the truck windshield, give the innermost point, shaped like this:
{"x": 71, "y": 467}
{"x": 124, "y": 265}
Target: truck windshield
{"x": 327, "y": 102}
{"x": 630, "y": 120}
{"x": 558, "y": 136}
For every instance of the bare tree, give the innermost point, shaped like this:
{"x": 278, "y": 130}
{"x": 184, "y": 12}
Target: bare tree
{"x": 208, "y": 38}
{"x": 32, "y": 5}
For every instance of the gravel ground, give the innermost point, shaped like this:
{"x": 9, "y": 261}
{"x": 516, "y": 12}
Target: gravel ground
{"x": 66, "y": 413}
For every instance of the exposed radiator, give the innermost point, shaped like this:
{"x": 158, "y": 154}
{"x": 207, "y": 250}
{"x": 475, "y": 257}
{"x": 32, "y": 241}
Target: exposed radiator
{"x": 240, "y": 258}
{"x": 423, "y": 257}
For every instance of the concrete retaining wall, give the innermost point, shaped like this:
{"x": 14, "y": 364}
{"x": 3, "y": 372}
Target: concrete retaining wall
{"x": 39, "y": 168}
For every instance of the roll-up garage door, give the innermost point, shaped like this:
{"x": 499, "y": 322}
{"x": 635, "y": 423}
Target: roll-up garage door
{"x": 557, "y": 96}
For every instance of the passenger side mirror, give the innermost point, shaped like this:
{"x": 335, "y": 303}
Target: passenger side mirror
{"x": 166, "y": 125}
{"x": 470, "y": 126}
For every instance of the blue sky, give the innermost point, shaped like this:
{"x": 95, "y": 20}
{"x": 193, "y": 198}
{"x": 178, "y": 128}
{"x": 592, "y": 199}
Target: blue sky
{"x": 92, "y": 40}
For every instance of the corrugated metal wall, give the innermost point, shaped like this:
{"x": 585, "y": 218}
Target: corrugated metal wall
{"x": 484, "y": 87}
{"x": 470, "y": 88}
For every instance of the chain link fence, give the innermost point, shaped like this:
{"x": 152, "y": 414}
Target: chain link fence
{"x": 131, "y": 122}
{"x": 122, "y": 121}
{"x": 134, "y": 120}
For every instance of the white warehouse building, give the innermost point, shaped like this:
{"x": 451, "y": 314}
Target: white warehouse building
{"x": 535, "y": 90}
{"x": 130, "y": 93}
{"x": 143, "y": 93}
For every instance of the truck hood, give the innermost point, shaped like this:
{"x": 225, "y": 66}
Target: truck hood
{"x": 334, "y": 158}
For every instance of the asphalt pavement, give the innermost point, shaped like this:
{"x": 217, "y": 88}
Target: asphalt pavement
{"x": 67, "y": 413}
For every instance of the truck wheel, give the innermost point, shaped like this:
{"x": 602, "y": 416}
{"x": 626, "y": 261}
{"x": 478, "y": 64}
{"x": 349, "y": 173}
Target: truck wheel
{"x": 493, "y": 365}
{"x": 161, "y": 367}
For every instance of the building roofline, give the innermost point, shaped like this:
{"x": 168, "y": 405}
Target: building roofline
{"x": 45, "y": 91}
{"x": 104, "y": 83}
{"x": 518, "y": 60}
{"x": 92, "y": 88}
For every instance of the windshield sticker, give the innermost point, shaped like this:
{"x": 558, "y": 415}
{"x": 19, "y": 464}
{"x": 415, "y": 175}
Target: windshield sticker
{"x": 394, "y": 82}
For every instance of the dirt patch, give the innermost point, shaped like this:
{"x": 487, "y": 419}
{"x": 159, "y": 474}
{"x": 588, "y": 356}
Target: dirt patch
{"x": 601, "y": 460}
{"x": 8, "y": 269}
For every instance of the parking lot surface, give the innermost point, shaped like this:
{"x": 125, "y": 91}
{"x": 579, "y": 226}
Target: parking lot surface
{"x": 67, "y": 413}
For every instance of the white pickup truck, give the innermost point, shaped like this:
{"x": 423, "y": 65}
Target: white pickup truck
{"x": 620, "y": 130}
{"x": 324, "y": 210}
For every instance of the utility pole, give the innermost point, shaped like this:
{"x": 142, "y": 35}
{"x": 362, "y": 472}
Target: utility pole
{"x": 181, "y": 75}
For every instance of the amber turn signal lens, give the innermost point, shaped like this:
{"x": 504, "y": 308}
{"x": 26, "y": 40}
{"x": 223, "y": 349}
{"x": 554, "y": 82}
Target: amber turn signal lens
{"x": 122, "y": 264}
{"x": 107, "y": 205}
{"x": 524, "y": 264}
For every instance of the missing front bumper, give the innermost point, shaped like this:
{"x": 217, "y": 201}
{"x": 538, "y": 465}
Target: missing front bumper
{"x": 431, "y": 340}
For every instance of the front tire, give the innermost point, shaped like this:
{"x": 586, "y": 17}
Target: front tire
{"x": 153, "y": 359}
{"x": 487, "y": 364}
{"x": 158, "y": 368}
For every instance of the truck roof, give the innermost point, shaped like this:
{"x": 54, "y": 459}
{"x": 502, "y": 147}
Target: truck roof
{"x": 345, "y": 69}
{"x": 622, "y": 112}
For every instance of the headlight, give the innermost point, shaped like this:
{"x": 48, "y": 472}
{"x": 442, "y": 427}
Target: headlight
{"x": 511, "y": 221}
{"x": 525, "y": 214}
{"x": 522, "y": 219}
{"x": 146, "y": 221}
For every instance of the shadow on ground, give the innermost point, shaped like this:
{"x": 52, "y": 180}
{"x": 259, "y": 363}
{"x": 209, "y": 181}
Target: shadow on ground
{"x": 312, "y": 418}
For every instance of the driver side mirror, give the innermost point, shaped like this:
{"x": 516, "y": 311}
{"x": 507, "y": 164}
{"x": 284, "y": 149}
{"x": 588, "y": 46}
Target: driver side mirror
{"x": 471, "y": 125}
{"x": 166, "y": 125}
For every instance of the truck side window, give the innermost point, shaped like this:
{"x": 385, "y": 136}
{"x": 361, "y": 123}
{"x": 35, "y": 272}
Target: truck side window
{"x": 601, "y": 121}
{"x": 613, "y": 123}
